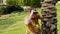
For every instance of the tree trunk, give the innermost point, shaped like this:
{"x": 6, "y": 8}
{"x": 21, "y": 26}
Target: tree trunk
{"x": 49, "y": 21}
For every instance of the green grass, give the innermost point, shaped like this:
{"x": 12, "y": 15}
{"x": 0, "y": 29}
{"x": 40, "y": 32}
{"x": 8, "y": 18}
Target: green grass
{"x": 14, "y": 24}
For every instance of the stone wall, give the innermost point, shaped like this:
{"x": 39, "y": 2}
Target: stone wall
{"x": 49, "y": 13}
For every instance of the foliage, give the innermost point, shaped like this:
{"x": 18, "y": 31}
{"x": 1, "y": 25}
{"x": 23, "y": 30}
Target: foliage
{"x": 2, "y": 9}
{"x": 32, "y": 3}
{"x": 12, "y": 2}
{"x": 35, "y": 3}
{"x": 9, "y": 9}
{"x": 12, "y": 8}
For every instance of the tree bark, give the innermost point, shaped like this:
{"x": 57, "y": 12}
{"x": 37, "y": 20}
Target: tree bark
{"x": 49, "y": 13}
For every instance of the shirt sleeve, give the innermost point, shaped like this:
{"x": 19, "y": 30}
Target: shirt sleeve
{"x": 27, "y": 20}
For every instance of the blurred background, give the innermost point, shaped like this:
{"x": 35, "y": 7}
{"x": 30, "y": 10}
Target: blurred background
{"x": 12, "y": 14}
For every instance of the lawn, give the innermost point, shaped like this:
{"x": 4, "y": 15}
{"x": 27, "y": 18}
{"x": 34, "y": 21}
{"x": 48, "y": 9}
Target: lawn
{"x": 14, "y": 22}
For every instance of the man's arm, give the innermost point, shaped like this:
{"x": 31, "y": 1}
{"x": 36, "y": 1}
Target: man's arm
{"x": 29, "y": 26}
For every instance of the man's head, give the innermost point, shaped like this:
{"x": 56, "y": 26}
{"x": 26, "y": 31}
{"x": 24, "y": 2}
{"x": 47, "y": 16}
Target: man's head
{"x": 35, "y": 12}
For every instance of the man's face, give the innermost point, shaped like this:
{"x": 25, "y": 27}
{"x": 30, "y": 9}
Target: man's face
{"x": 34, "y": 15}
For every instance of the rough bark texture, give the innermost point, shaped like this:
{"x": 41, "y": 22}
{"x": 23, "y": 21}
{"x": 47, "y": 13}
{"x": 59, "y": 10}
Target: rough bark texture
{"x": 49, "y": 21}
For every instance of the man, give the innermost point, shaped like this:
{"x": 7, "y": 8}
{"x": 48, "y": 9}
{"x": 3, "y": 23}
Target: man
{"x": 31, "y": 22}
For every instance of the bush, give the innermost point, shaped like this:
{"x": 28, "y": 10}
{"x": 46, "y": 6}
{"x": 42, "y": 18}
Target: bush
{"x": 12, "y": 2}
{"x": 2, "y": 9}
{"x": 35, "y": 3}
{"x": 32, "y": 3}
{"x": 10, "y": 9}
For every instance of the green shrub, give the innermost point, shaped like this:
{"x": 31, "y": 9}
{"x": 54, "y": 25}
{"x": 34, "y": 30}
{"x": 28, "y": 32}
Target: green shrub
{"x": 32, "y": 3}
{"x": 2, "y": 9}
{"x": 12, "y": 8}
{"x": 9, "y": 9}
{"x": 12, "y": 2}
{"x": 35, "y": 3}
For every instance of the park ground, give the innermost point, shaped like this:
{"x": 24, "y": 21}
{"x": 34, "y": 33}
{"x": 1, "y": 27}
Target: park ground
{"x": 14, "y": 23}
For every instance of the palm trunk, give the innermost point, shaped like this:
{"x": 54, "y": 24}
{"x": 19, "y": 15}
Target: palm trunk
{"x": 49, "y": 21}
